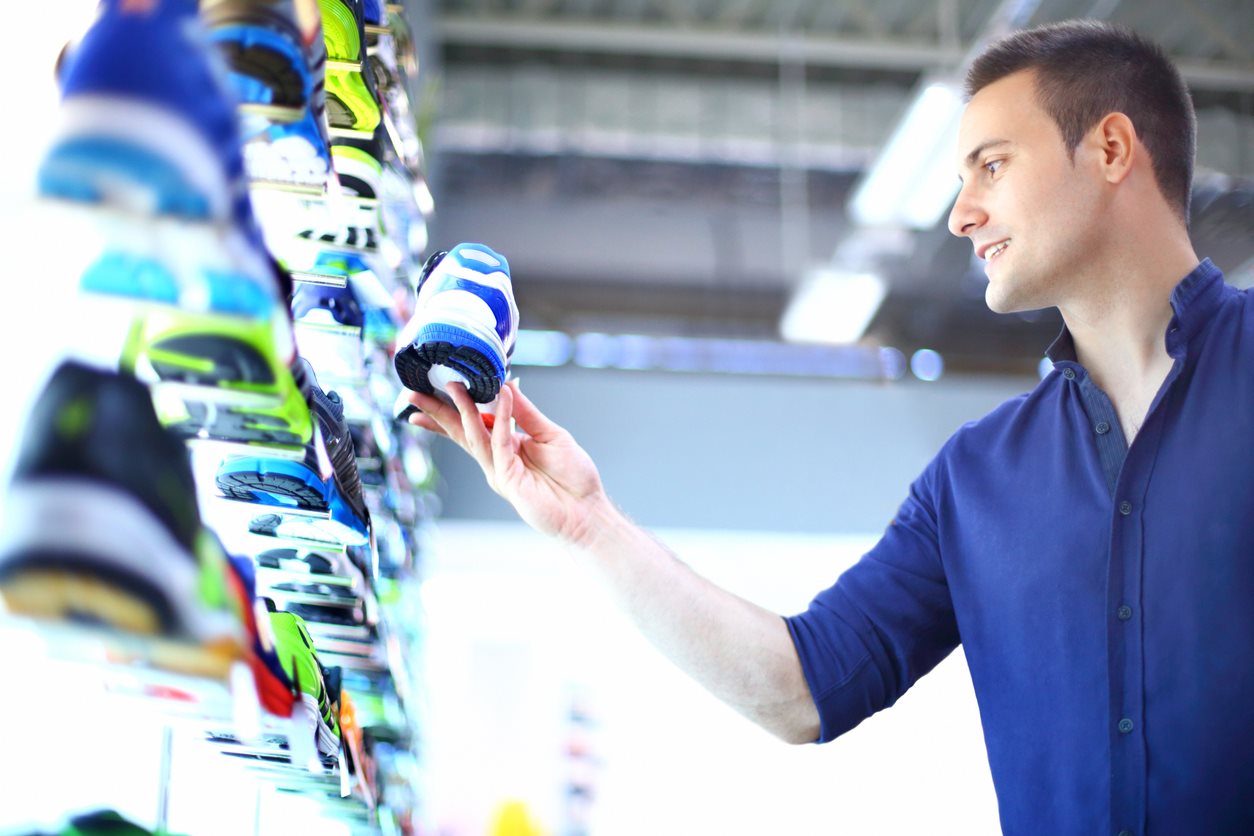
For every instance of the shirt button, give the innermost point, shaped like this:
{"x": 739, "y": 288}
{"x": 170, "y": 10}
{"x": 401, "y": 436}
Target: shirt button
{"x": 1069, "y": 374}
{"x": 1125, "y": 726}
{"x": 1124, "y": 612}
{"x": 1102, "y": 428}
{"x": 1125, "y": 507}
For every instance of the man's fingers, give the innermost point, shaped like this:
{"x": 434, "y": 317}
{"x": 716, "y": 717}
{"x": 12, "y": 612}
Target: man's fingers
{"x": 531, "y": 420}
{"x": 475, "y": 434}
{"x": 502, "y": 432}
{"x": 446, "y": 417}
{"x": 421, "y": 419}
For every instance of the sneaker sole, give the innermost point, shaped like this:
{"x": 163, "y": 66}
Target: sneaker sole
{"x": 273, "y": 482}
{"x": 282, "y": 484}
{"x": 456, "y": 349}
{"x": 349, "y": 101}
{"x": 272, "y": 76}
{"x": 270, "y": 68}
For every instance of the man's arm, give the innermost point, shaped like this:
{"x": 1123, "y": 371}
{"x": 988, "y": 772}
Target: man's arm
{"x": 742, "y": 653}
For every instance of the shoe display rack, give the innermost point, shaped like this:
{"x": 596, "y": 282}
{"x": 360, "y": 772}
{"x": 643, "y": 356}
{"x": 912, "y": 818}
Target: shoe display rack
{"x": 216, "y": 522}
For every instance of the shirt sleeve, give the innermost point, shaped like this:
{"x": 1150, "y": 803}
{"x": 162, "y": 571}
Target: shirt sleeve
{"x": 886, "y": 621}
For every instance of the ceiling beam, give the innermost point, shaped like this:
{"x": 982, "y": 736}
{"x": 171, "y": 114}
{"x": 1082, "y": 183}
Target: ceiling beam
{"x": 764, "y": 47}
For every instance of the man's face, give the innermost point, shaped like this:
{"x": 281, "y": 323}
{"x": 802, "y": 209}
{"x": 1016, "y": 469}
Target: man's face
{"x": 1030, "y": 213}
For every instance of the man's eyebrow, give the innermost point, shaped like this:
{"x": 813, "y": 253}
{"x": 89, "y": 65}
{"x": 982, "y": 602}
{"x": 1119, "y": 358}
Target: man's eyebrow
{"x": 974, "y": 156}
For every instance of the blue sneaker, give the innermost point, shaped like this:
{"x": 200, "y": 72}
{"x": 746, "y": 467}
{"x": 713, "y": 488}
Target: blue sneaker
{"x": 329, "y": 324}
{"x": 283, "y": 483}
{"x": 278, "y": 71}
{"x": 147, "y": 122}
{"x": 464, "y": 325}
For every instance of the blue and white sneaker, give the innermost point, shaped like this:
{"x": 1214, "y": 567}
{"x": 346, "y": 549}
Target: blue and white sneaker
{"x": 283, "y": 483}
{"x": 329, "y": 323}
{"x": 278, "y": 61}
{"x": 148, "y": 128}
{"x": 464, "y": 325}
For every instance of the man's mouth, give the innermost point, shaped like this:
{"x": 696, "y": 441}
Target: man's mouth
{"x": 996, "y": 250}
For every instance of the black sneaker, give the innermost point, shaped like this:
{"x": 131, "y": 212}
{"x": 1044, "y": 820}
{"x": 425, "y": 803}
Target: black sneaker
{"x": 102, "y": 524}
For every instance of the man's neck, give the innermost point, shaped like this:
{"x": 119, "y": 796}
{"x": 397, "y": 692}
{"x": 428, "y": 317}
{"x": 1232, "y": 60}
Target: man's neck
{"x": 1118, "y": 320}
{"x": 1119, "y": 312}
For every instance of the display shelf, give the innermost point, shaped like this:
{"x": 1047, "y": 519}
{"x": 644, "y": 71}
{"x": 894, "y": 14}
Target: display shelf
{"x": 268, "y": 577}
{"x": 175, "y": 682}
{"x": 344, "y": 66}
{"x": 328, "y": 328}
{"x": 306, "y": 190}
{"x": 285, "y": 511}
{"x": 217, "y": 449}
{"x": 342, "y": 638}
{"x": 321, "y": 279}
{"x": 272, "y": 113}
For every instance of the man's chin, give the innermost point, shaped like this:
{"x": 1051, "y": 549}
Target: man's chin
{"x": 1000, "y": 301}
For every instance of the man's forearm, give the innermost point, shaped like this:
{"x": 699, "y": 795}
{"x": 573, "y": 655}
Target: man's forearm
{"x": 737, "y": 650}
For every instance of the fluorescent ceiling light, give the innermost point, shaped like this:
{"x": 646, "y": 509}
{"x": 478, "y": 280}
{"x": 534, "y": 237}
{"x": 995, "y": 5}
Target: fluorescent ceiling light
{"x": 833, "y": 306}
{"x": 913, "y": 182}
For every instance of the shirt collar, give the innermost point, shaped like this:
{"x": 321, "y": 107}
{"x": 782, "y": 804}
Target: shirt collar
{"x": 1193, "y": 300}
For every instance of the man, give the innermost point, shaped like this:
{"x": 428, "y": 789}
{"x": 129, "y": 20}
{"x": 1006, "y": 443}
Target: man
{"x": 1090, "y": 543}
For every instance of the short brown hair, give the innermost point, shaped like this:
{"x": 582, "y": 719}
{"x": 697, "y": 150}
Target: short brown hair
{"x": 1086, "y": 69}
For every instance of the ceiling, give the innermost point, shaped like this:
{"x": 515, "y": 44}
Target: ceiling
{"x": 673, "y": 167}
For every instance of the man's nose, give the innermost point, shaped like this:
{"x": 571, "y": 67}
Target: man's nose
{"x": 966, "y": 216}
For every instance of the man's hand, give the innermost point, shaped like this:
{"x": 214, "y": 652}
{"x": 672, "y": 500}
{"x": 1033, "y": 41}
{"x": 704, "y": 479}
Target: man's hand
{"x": 541, "y": 471}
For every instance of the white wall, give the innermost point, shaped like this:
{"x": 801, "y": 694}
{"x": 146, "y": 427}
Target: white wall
{"x": 516, "y": 627}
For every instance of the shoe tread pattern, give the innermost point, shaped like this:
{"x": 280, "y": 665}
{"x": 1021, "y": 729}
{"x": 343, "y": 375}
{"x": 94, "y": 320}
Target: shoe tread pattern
{"x": 250, "y": 487}
{"x": 413, "y": 365}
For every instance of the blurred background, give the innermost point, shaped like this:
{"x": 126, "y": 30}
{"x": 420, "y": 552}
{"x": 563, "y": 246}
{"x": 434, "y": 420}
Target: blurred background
{"x": 725, "y": 222}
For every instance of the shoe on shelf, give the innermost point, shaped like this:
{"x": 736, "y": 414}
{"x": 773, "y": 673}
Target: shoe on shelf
{"x": 295, "y": 650}
{"x": 102, "y": 525}
{"x": 352, "y": 103}
{"x": 275, "y": 691}
{"x": 329, "y": 322}
{"x": 149, "y": 129}
{"x": 148, "y": 141}
{"x": 328, "y": 613}
{"x": 285, "y": 483}
{"x": 277, "y": 57}
{"x": 224, "y": 378}
{"x": 106, "y": 823}
{"x": 312, "y": 564}
{"x": 464, "y": 325}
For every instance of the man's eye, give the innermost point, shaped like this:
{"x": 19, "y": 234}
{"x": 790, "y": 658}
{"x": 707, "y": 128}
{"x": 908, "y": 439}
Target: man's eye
{"x": 992, "y": 165}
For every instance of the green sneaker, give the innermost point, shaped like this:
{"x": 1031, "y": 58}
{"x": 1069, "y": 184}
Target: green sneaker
{"x": 237, "y": 381}
{"x": 107, "y": 823}
{"x": 296, "y": 653}
{"x": 351, "y": 100}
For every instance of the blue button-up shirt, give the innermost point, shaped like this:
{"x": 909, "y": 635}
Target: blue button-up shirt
{"x": 1103, "y": 595}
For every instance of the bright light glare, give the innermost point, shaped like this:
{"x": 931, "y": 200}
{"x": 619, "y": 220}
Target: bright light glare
{"x": 833, "y": 307}
{"x": 542, "y": 348}
{"x": 927, "y": 365}
{"x": 913, "y": 182}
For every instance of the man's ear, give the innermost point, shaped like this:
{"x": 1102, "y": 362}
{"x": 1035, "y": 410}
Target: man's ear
{"x": 1114, "y": 139}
